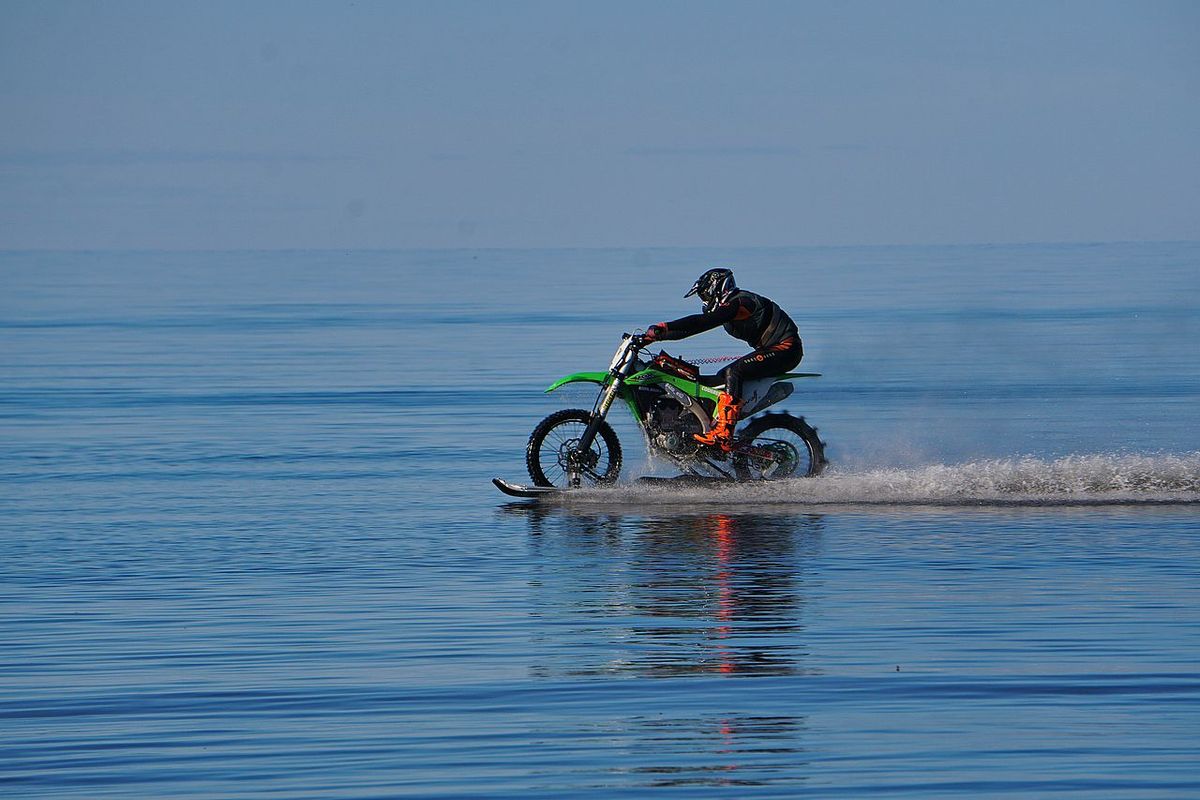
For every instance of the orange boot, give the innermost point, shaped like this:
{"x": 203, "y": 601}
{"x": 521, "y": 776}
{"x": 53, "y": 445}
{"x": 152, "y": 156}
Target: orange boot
{"x": 721, "y": 433}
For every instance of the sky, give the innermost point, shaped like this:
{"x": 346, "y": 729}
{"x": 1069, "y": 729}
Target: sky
{"x": 267, "y": 125}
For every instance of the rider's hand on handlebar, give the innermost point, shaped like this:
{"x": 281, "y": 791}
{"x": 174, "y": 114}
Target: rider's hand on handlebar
{"x": 653, "y": 332}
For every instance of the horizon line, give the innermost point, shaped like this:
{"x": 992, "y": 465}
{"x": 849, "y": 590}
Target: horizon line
{"x": 511, "y": 248}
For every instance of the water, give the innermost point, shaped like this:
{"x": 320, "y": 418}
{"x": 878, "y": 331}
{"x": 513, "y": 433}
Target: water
{"x": 250, "y": 548}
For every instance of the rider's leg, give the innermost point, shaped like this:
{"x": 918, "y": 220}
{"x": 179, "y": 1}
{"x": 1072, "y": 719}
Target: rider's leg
{"x": 721, "y": 433}
{"x": 759, "y": 364}
{"x": 762, "y": 363}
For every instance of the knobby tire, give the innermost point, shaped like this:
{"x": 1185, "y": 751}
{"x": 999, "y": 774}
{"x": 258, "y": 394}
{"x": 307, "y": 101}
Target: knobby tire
{"x": 758, "y": 426}
{"x": 560, "y": 428}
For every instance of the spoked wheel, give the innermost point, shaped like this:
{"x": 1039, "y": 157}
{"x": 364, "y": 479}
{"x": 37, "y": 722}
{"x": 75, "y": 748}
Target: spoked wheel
{"x": 777, "y": 446}
{"x": 554, "y": 444}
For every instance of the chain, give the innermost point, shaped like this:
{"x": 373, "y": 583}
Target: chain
{"x": 714, "y": 360}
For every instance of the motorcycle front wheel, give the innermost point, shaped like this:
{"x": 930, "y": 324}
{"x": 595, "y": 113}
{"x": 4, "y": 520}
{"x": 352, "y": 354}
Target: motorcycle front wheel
{"x": 556, "y": 439}
{"x": 795, "y": 450}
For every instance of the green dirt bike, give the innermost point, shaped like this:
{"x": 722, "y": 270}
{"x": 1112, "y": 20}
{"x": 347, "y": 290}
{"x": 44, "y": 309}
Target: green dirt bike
{"x": 670, "y": 401}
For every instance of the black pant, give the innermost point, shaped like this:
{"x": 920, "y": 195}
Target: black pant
{"x": 763, "y": 363}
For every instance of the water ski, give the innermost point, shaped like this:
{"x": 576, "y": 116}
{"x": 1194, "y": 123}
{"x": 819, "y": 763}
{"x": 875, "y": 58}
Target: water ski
{"x": 517, "y": 490}
{"x": 543, "y": 492}
{"x": 683, "y": 481}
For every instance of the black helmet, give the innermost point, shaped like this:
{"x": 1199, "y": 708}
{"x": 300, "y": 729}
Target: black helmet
{"x": 714, "y": 287}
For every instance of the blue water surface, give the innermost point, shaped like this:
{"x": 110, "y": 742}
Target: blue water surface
{"x": 250, "y": 548}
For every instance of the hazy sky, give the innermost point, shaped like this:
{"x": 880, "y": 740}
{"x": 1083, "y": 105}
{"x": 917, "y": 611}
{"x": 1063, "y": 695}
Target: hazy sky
{"x": 521, "y": 124}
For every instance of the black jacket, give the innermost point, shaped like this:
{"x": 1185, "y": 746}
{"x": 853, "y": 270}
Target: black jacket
{"x": 747, "y": 316}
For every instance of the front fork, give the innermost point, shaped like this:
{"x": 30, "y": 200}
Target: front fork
{"x": 576, "y": 461}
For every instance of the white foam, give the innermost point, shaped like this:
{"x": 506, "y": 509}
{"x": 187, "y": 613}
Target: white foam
{"x": 1082, "y": 479}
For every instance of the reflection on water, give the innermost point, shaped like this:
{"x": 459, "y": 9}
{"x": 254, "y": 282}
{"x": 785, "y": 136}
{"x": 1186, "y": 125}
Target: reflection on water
{"x": 695, "y": 598}
{"x": 715, "y": 751}
{"x": 668, "y": 596}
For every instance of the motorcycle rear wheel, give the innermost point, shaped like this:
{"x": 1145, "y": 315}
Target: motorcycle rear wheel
{"x": 557, "y": 436}
{"x": 796, "y": 448}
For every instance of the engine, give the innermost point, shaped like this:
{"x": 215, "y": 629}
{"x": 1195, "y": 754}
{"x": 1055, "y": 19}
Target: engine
{"x": 671, "y": 426}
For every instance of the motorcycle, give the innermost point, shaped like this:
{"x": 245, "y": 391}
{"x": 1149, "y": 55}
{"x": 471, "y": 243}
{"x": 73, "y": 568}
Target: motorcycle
{"x": 670, "y": 401}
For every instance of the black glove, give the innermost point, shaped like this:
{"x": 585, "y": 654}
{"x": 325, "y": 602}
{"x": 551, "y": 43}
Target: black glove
{"x": 653, "y": 332}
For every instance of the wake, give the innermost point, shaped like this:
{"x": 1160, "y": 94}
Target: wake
{"x": 1073, "y": 480}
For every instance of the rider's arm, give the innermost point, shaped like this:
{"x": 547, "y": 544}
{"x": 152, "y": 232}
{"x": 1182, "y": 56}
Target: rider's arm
{"x": 699, "y": 323}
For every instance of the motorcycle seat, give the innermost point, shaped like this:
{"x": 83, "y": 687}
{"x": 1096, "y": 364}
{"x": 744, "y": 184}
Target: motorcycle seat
{"x": 712, "y": 381}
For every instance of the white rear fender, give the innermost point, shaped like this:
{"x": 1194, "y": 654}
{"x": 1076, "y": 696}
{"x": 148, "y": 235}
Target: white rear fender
{"x": 762, "y": 393}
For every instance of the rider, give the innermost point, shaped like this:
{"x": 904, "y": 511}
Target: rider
{"x": 746, "y": 316}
